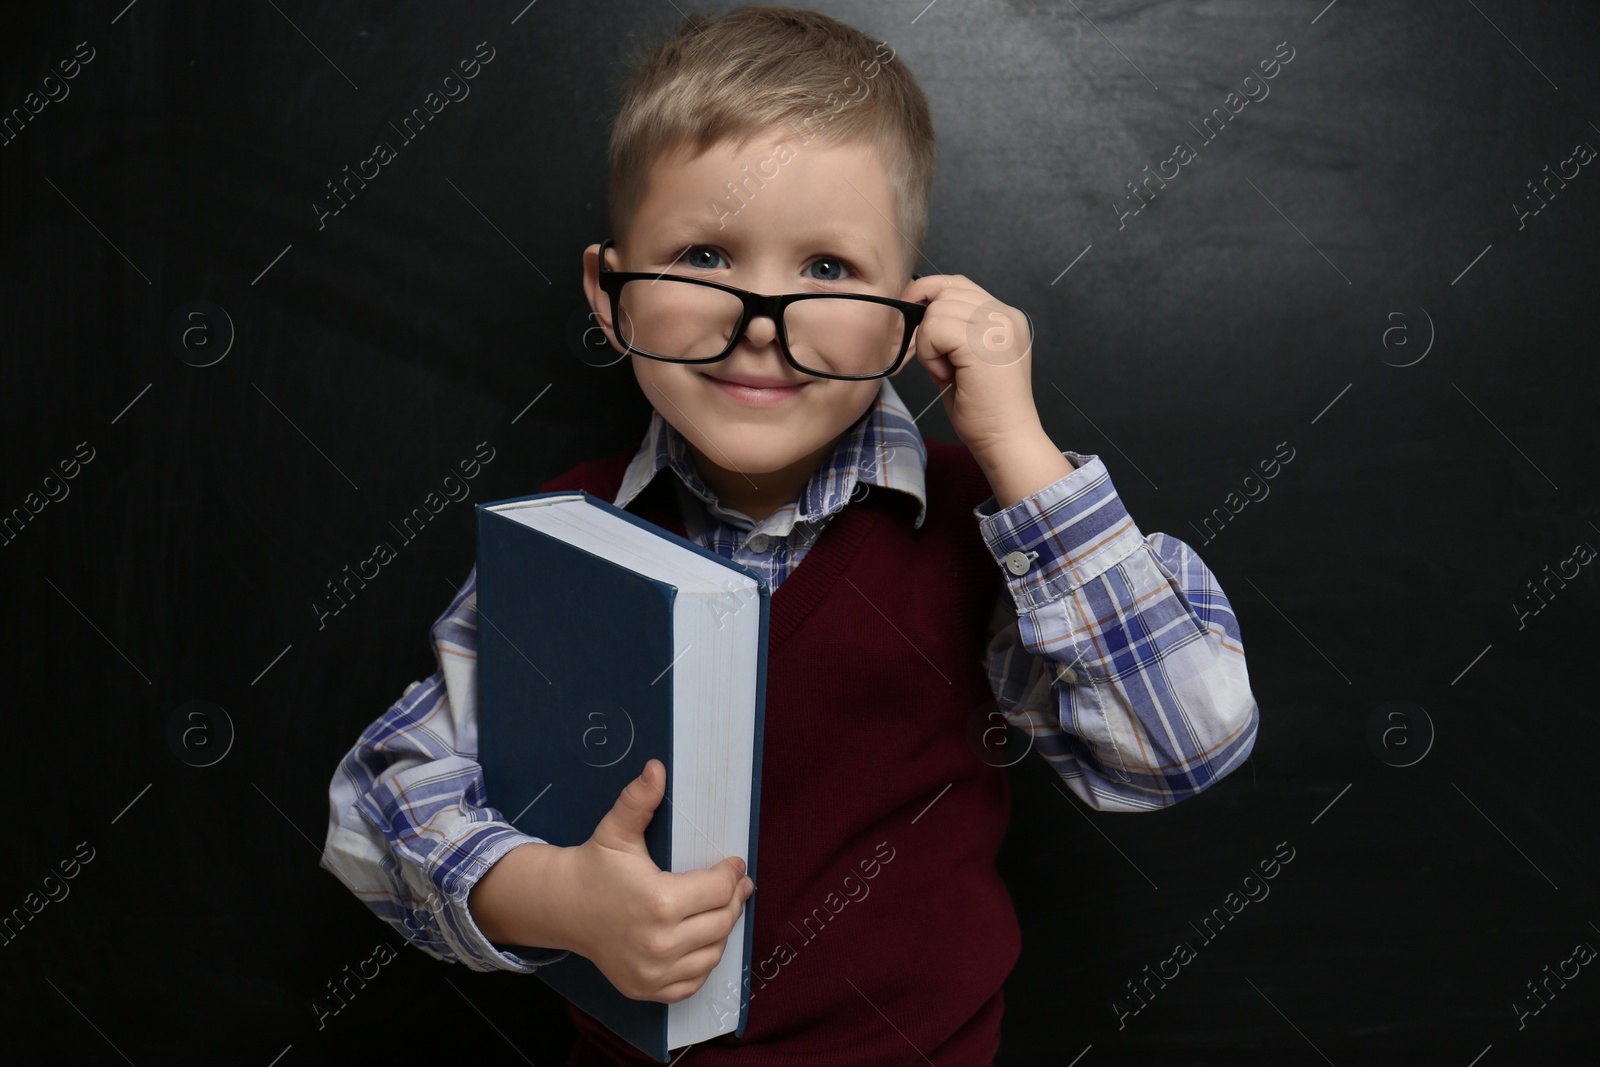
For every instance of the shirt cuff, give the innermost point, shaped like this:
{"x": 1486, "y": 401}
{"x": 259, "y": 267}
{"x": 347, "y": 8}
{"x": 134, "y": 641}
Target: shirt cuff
{"x": 455, "y": 919}
{"x": 1068, "y": 533}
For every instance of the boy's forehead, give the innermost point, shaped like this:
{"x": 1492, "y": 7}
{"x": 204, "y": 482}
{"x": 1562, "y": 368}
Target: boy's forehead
{"x": 686, "y": 184}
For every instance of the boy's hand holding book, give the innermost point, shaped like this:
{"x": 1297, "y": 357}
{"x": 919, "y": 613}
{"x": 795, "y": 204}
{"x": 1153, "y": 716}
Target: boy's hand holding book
{"x": 654, "y": 934}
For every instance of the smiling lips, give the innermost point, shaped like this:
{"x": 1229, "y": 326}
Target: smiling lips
{"x": 757, "y": 392}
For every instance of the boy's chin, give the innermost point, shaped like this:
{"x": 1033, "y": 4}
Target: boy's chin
{"x": 753, "y": 457}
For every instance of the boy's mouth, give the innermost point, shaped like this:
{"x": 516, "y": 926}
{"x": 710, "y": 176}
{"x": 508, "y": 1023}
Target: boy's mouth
{"x": 757, "y": 392}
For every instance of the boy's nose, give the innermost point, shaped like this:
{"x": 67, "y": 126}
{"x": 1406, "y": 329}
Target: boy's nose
{"x": 761, "y": 332}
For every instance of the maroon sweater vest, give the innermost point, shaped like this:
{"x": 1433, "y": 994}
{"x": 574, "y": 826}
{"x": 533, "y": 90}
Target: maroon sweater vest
{"x": 882, "y": 931}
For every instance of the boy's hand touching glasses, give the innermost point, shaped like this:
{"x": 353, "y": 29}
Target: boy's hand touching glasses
{"x": 979, "y": 352}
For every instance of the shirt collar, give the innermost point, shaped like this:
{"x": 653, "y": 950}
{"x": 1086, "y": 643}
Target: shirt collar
{"x": 883, "y": 448}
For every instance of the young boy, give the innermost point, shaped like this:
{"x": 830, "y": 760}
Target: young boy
{"x": 777, "y": 151}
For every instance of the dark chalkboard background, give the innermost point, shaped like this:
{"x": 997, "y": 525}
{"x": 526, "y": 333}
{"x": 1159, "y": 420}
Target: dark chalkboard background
{"x": 1343, "y": 270}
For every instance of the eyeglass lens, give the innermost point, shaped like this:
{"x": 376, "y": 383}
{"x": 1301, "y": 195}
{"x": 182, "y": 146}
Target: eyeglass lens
{"x": 676, "y": 320}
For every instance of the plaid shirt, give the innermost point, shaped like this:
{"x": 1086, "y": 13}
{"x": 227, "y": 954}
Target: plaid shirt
{"x": 1116, "y": 651}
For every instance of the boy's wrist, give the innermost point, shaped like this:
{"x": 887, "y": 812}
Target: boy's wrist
{"x": 521, "y": 900}
{"x": 1022, "y": 464}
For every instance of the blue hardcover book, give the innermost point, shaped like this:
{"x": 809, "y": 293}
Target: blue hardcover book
{"x": 603, "y": 641}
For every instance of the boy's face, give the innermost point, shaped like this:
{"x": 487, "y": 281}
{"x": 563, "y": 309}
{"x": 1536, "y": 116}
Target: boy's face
{"x": 816, "y": 219}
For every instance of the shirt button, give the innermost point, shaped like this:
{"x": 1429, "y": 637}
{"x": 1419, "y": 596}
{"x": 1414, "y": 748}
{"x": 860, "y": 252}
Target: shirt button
{"x": 1016, "y": 563}
{"x": 1067, "y": 674}
{"x": 758, "y": 543}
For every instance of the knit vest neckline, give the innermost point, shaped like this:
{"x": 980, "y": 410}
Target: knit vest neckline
{"x": 798, "y": 595}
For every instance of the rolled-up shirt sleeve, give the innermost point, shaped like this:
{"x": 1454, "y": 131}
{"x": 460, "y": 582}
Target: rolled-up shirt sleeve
{"x": 409, "y": 832}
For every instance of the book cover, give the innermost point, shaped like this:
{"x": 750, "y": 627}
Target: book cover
{"x": 574, "y": 697}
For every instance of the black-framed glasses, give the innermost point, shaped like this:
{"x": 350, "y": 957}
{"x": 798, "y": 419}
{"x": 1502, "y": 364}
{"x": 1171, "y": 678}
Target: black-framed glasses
{"x": 847, "y": 336}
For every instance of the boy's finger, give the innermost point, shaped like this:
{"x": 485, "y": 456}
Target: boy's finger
{"x": 710, "y": 927}
{"x": 623, "y": 826}
{"x": 696, "y": 965}
{"x": 710, "y": 889}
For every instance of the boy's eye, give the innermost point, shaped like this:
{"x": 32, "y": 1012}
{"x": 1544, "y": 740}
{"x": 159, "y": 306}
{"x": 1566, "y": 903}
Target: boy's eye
{"x": 837, "y": 264}
{"x": 694, "y": 257}
{"x": 704, "y": 257}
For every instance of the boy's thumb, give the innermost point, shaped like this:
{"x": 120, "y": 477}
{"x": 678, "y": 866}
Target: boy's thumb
{"x": 624, "y": 825}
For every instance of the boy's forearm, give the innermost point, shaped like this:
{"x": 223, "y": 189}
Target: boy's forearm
{"x": 520, "y": 901}
{"x": 1022, "y": 465}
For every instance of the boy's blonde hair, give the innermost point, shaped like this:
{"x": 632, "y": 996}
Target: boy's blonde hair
{"x": 759, "y": 67}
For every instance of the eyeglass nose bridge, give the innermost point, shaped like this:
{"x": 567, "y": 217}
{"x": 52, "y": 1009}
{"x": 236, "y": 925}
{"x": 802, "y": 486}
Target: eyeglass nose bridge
{"x": 758, "y": 305}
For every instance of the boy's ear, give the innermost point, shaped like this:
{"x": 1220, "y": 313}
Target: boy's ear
{"x": 599, "y": 303}
{"x": 599, "y": 317}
